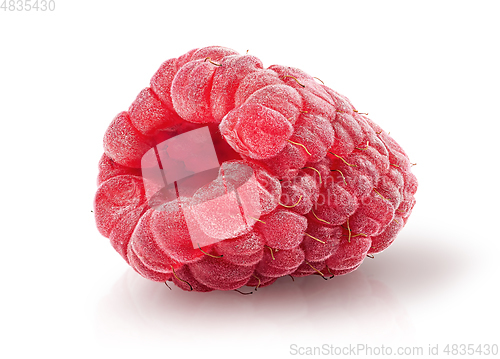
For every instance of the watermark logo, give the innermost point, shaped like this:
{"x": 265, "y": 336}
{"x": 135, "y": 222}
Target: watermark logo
{"x": 218, "y": 202}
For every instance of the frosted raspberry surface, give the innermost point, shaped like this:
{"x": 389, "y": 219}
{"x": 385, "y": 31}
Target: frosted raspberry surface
{"x": 224, "y": 173}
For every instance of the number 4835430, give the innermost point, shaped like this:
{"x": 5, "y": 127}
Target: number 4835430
{"x": 28, "y": 5}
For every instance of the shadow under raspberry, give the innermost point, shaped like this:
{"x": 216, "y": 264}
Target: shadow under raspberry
{"x": 364, "y": 302}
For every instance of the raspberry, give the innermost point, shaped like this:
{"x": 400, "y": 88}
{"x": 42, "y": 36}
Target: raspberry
{"x": 224, "y": 174}
{"x": 256, "y": 131}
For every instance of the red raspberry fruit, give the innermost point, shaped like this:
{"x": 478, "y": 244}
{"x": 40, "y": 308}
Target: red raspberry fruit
{"x": 224, "y": 174}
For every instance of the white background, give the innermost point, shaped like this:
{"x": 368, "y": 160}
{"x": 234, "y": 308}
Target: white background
{"x": 426, "y": 71}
